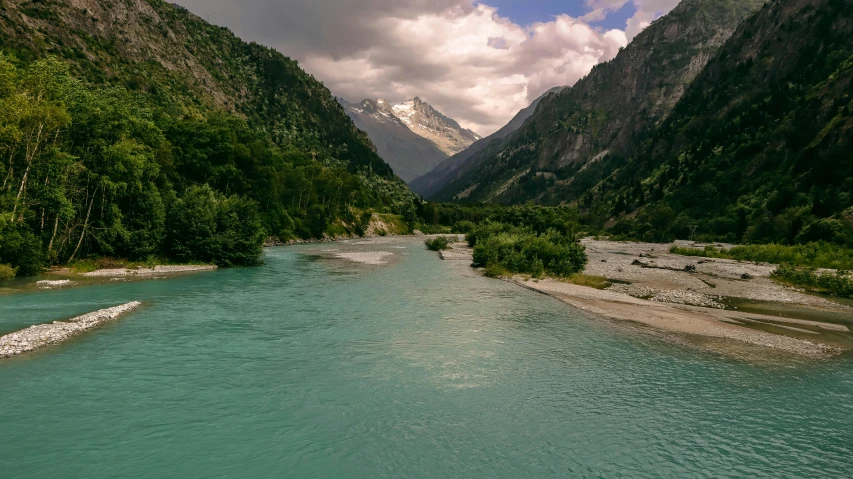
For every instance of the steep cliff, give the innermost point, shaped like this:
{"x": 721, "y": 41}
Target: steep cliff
{"x": 551, "y": 158}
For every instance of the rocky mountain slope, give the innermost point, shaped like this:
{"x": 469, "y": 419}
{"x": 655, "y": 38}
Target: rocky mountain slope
{"x": 759, "y": 148}
{"x": 429, "y": 123}
{"x": 178, "y": 61}
{"x": 428, "y": 184}
{"x": 552, "y": 159}
{"x": 409, "y": 154}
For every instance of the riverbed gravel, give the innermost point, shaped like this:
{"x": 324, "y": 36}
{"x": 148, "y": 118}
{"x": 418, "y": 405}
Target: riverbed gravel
{"x": 42, "y": 335}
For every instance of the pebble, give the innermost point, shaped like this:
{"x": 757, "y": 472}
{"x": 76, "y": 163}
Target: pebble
{"x": 48, "y": 284}
{"x": 41, "y": 335}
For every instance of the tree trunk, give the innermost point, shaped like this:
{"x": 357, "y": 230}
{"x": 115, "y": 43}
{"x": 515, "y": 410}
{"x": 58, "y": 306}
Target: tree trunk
{"x": 6, "y": 183}
{"x": 53, "y": 237}
{"x": 85, "y": 226}
{"x": 21, "y": 189}
{"x": 29, "y": 157}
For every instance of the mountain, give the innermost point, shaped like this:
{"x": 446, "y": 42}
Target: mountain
{"x": 552, "y": 158}
{"x": 409, "y": 154}
{"x": 178, "y": 61}
{"x": 134, "y": 129}
{"x": 758, "y": 149}
{"x": 428, "y": 123}
{"x": 430, "y": 183}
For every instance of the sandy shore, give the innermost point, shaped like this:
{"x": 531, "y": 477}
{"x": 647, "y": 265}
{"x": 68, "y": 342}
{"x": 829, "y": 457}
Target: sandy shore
{"x": 686, "y": 296}
{"x": 156, "y": 270}
{"x": 682, "y": 318}
{"x": 42, "y": 335}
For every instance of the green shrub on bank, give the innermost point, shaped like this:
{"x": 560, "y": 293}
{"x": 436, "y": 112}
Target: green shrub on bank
{"x": 22, "y": 250}
{"x": 813, "y": 255}
{"x": 208, "y": 227}
{"x": 464, "y": 227}
{"x": 838, "y": 283}
{"x": 501, "y": 248}
{"x": 439, "y": 243}
{"x": 6, "y": 272}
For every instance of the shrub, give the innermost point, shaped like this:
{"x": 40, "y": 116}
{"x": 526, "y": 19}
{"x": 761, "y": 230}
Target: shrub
{"x": 439, "y": 243}
{"x": 519, "y": 250}
{"x": 208, "y": 227}
{"x": 464, "y": 227}
{"x": 838, "y": 283}
{"x": 22, "y": 250}
{"x": 494, "y": 270}
{"x": 6, "y": 272}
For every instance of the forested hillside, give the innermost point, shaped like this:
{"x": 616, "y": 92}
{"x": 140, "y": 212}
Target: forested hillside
{"x": 555, "y": 155}
{"x": 132, "y": 128}
{"x": 759, "y": 149}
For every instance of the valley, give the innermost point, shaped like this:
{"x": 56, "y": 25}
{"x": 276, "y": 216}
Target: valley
{"x": 278, "y": 244}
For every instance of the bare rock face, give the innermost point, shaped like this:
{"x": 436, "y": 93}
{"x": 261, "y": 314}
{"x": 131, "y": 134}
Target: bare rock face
{"x": 430, "y": 183}
{"x": 42, "y": 335}
{"x": 427, "y": 122}
{"x": 409, "y": 154}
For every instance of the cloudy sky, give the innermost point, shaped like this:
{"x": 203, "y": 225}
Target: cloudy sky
{"x": 477, "y": 62}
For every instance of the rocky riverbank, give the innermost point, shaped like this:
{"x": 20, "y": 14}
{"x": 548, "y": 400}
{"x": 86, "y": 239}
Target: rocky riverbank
{"x": 156, "y": 270}
{"x": 43, "y": 335}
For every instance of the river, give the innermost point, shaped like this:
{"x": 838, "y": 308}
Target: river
{"x": 312, "y": 366}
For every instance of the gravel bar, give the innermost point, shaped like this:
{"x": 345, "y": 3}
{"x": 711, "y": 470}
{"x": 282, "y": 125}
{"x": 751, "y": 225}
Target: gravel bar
{"x": 43, "y": 335}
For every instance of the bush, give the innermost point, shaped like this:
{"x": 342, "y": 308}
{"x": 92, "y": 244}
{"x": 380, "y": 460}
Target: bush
{"x": 838, "y": 283}
{"x": 207, "y": 227}
{"x": 439, "y": 243}
{"x": 464, "y": 227}
{"x": 828, "y": 230}
{"x": 6, "y": 272}
{"x": 519, "y": 250}
{"x": 495, "y": 270}
{"x": 22, "y": 250}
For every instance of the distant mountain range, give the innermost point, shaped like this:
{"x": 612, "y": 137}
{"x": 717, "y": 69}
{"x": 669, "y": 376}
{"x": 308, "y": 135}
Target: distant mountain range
{"x": 430, "y": 183}
{"x": 730, "y": 119}
{"x": 412, "y": 137}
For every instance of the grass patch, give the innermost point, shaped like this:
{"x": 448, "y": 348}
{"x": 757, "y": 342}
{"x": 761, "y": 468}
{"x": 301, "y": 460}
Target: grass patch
{"x": 90, "y": 265}
{"x": 838, "y": 283}
{"x": 597, "y": 282}
{"x": 495, "y": 270}
{"x": 811, "y": 255}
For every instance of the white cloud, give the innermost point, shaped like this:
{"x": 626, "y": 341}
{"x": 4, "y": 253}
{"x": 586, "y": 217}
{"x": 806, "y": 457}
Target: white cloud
{"x": 645, "y": 12}
{"x": 460, "y": 56}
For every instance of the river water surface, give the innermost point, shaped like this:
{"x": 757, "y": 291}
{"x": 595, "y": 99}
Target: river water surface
{"x": 312, "y": 366}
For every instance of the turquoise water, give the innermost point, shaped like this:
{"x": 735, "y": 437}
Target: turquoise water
{"x": 316, "y": 367}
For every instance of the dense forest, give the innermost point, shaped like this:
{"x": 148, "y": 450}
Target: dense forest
{"x": 136, "y": 130}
